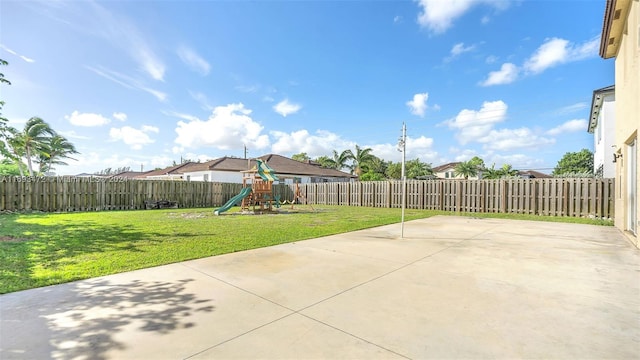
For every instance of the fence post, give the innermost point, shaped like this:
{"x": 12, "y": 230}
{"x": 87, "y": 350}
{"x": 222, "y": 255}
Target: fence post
{"x": 503, "y": 200}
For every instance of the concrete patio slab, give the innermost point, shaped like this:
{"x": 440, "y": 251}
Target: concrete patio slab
{"x": 454, "y": 287}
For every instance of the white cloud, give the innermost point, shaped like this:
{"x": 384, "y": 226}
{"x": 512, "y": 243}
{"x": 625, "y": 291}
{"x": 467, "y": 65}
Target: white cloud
{"x": 73, "y": 135}
{"x": 569, "y": 126}
{"x": 464, "y": 154}
{"x": 459, "y": 48}
{"x": 193, "y": 60}
{"x": 557, "y": 51}
{"x": 321, "y": 143}
{"x": 491, "y": 59}
{"x": 27, "y": 59}
{"x": 511, "y": 139}
{"x": 149, "y": 128}
{"x": 473, "y": 125}
{"x": 202, "y": 100}
{"x": 180, "y": 115}
{"x": 228, "y": 127}
{"x": 248, "y": 88}
{"x": 517, "y": 161}
{"x": 508, "y": 73}
{"x": 126, "y": 81}
{"x": 120, "y": 116}
{"x": 122, "y": 33}
{"x": 417, "y": 148}
{"x": 86, "y": 119}
{"x": 419, "y": 104}
{"x": 285, "y": 108}
{"x": 572, "y": 108}
{"x": 397, "y": 19}
{"x": 135, "y": 138}
{"x": 439, "y": 15}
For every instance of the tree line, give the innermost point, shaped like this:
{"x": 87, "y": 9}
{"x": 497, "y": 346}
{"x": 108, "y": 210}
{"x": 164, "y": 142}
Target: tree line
{"x": 36, "y": 143}
{"x": 368, "y": 167}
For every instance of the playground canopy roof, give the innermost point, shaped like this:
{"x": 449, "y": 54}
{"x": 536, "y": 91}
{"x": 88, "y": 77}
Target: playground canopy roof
{"x": 265, "y": 172}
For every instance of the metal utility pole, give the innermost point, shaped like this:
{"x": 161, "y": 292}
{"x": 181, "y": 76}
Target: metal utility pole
{"x": 402, "y": 147}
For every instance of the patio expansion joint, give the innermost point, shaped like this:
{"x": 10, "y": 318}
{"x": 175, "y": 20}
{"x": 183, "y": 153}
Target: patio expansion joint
{"x": 299, "y": 312}
{"x": 293, "y": 312}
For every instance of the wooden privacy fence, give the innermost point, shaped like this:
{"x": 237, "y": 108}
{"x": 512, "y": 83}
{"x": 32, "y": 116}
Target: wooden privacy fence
{"x": 56, "y": 194}
{"x": 553, "y": 197}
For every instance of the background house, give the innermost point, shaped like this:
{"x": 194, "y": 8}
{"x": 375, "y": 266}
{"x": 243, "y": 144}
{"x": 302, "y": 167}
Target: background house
{"x": 170, "y": 173}
{"x": 448, "y": 171}
{"x": 620, "y": 39}
{"x": 532, "y": 174}
{"x": 227, "y": 169}
{"x": 602, "y": 126}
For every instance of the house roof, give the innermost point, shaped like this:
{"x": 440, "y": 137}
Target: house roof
{"x": 596, "y": 105}
{"x": 130, "y": 174}
{"x": 446, "y": 166}
{"x": 534, "y": 174}
{"x": 616, "y": 13}
{"x": 172, "y": 170}
{"x": 283, "y": 166}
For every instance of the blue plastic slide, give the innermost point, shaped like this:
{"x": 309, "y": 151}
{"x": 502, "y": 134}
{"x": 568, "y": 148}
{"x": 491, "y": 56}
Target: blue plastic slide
{"x": 234, "y": 201}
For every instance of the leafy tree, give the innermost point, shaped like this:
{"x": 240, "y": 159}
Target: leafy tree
{"x": 575, "y": 162}
{"x": 3, "y": 121}
{"x": 377, "y": 165}
{"x": 371, "y": 176}
{"x": 8, "y": 168}
{"x": 110, "y": 171}
{"x": 16, "y": 150}
{"x": 478, "y": 162}
{"x": 183, "y": 161}
{"x": 302, "y": 157}
{"x": 466, "y": 169}
{"x": 394, "y": 170}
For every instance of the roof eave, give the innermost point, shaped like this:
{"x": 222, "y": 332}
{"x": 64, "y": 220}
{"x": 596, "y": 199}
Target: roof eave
{"x": 596, "y": 105}
{"x": 615, "y": 18}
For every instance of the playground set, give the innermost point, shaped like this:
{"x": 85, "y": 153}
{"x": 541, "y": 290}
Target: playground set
{"x": 257, "y": 195}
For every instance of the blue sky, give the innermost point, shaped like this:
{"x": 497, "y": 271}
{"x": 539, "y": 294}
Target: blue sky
{"x": 146, "y": 83}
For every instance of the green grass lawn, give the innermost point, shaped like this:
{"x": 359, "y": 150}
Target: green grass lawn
{"x": 45, "y": 249}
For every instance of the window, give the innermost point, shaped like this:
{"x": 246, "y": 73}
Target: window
{"x": 205, "y": 177}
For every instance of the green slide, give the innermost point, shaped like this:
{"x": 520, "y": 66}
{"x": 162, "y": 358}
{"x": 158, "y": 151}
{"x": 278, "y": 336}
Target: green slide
{"x": 233, "y": 201}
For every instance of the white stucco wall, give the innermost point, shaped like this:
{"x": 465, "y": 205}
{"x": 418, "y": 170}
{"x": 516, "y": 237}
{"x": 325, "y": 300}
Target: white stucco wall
{"x": 604, "y": 138}
{"x": 627, "y": 117}
{"x": 215, "y": 176}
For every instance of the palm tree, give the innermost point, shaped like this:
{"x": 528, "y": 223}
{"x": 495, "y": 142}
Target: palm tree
{"x": 340, "y": 160}
{"x": 360, "y": 159}
{"x": 417, "y": 169}
{"x": 55, "y": 150}
{"x": 33, "y": 138}
{"x": 507, "y": 170}
{"x": 466, "y": 169}
{"x": 504, "y": 171}
{"x": 491, "y": 173}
